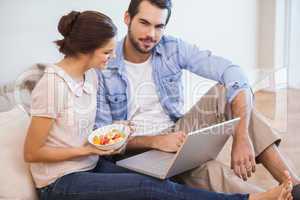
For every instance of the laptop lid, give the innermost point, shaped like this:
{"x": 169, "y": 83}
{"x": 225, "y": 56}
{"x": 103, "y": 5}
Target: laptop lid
{"x": 201, "y": 146}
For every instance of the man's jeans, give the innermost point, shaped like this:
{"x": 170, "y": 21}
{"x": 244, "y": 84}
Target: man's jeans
{"x": 110, "y": 182}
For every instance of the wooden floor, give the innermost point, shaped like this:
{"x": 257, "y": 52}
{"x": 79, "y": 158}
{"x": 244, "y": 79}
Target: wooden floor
{"x": 282, "y": 109}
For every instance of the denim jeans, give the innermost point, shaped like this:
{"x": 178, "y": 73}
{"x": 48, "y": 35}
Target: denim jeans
{"x": 107, "y": 181}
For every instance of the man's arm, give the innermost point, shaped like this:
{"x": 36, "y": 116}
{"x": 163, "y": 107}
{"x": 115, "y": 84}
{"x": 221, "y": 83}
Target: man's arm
{"x": 166, "y": 142}
{"x": 210, "y": 66}
{"x": 242, "y": 153}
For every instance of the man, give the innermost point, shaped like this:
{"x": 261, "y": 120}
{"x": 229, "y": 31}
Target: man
{"x": 143, "y": 83}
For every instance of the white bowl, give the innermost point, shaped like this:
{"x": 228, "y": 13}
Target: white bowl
{"x": 104, "y": 130}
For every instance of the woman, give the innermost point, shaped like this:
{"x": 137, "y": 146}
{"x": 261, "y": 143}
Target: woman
{"x": 63, "y": 108}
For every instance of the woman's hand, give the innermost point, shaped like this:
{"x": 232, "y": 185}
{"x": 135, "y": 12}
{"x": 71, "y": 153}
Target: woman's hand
{"x": 91, "y": 150}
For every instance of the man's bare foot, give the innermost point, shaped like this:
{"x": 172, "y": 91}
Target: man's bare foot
{"x": 281, "y": 192}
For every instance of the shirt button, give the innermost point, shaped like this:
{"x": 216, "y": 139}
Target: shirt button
{"x": 236, "y": 85}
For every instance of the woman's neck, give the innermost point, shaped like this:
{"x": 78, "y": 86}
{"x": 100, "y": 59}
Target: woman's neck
{"x": 75, "y": 67}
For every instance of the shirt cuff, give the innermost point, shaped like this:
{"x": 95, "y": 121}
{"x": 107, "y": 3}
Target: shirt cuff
{"x": 232, "y": 93}
{"x": 235, "y": 81}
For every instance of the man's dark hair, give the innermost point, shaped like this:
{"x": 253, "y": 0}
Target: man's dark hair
{"x": 163, "y": 4}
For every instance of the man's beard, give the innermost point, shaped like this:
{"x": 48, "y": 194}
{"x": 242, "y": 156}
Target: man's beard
{"x": 135, "y": 43}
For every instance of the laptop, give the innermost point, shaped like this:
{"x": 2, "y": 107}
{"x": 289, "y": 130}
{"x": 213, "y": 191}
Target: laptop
{"x": 199, "y": 147}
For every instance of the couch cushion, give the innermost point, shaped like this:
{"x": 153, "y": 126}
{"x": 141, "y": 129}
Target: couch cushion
{"x": 15, "y": 178}
{"x": 19, "y": 91}
{"x": 7, "y": 101}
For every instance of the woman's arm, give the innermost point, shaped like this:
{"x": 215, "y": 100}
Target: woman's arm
{"x": 35, "y": 149}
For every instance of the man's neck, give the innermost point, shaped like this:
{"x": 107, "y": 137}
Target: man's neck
{"x": 132, "y": 55}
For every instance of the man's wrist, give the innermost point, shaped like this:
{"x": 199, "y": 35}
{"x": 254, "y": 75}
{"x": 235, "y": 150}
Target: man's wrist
{"x": 143, "y": 142}
{"x": 153, "y": 142}
{"x": 241, "y": 135}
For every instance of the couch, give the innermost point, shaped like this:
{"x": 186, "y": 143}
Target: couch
{"x": 15, "y": 179}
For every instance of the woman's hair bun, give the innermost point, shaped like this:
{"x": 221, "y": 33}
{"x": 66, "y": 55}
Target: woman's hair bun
{"x": 66, "y": 23}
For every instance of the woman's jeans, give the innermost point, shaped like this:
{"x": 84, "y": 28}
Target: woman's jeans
{"x": 108, "y": 181}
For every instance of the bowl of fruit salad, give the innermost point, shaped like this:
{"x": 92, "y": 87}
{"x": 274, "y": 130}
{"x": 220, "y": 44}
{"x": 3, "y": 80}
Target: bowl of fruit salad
{"x": 109, "y": 137}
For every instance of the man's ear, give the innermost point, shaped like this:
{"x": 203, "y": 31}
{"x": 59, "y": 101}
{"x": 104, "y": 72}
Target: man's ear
{"x": 127, "y": 18}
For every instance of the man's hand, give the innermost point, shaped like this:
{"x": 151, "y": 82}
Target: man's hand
{"x": 130, "y": 124}
{"x": 242, "y": 157}
{"x": 170, "y": 142}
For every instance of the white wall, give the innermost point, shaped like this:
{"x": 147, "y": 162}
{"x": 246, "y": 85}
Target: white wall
{"x": 28, "y": 28}
{"x": 271, "y": 44}
{"x": 227, "y": 27}
{"x": 294, "y": 57}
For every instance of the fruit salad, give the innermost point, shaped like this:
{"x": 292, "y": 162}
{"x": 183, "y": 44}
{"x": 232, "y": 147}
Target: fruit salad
{"x": 111, "y": 137}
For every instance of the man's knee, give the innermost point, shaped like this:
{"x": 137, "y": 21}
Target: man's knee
{"x": 214, "y": 98}
{"x": 211, "y": 166}
{"x": 218, "y": 91}
{"x": 215, "y": 165}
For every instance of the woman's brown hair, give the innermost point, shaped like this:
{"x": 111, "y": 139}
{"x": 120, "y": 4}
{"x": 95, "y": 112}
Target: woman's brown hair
{"x": 84, "y": 32}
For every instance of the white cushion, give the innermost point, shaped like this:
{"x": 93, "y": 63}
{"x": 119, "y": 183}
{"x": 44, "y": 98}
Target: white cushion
{"x": 5, "y": 102}
{"x": 19, "y": 91}
{"x": 15, "y": 178}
